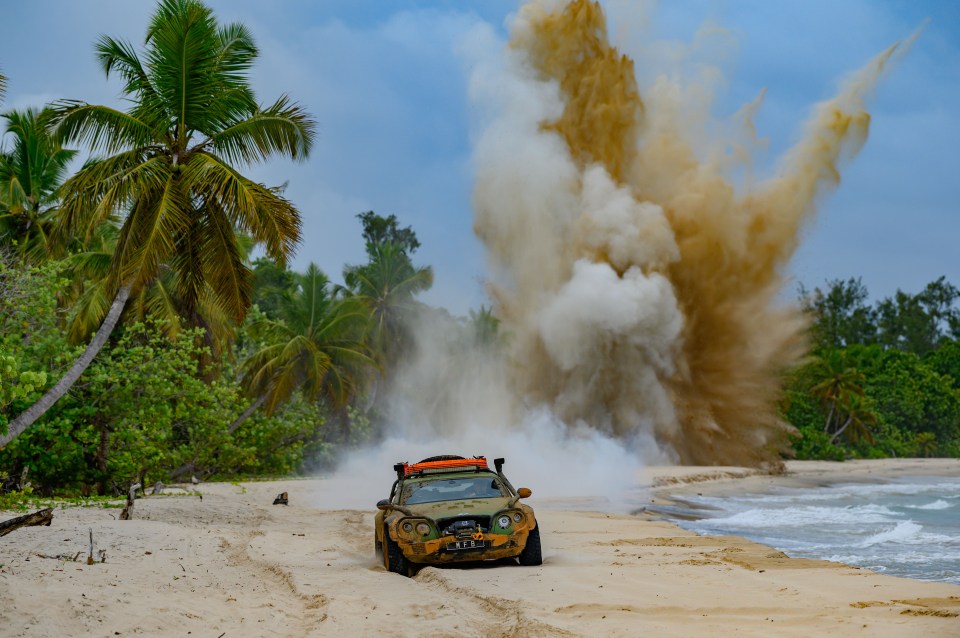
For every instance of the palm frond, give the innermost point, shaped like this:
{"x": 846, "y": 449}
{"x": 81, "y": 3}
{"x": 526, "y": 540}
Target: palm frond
{"x": 284, "y": 128}
{"x": 223, "y": 264}
{"x": 120, "y": 57}
{"x": 88, "y": 312}
{"x": 102, "y": 188}
{"x": 102, "y": 128}
{"x": 271, "y": 219}
{"x": 155, "y": 224}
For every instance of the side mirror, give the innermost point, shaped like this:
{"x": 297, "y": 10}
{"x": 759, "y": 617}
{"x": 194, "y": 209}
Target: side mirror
{"x": 384, "y": 504}
{"x": 524, "y": 492}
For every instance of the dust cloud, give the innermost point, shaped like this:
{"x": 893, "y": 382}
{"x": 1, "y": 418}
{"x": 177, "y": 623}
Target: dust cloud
{"x": 452, "y": 395}
{"x": 636, "y": 265}
{"x": 635, "y": 261}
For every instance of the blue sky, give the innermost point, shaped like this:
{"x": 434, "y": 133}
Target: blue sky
{"x": 387, "y": 82}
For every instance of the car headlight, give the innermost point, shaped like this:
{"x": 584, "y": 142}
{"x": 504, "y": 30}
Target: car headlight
{"x": 408, "y": 527}
{"x": 504, "y": 521}
{"x": 423, "y": 529}
{"x": 517, "y": 517}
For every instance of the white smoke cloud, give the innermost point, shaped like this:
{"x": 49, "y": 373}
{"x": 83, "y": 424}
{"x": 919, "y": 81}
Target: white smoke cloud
{"x": 597, "y": 307}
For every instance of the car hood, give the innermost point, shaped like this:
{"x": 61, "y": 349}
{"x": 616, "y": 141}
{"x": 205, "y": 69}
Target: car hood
{"x": 449, "y": 509}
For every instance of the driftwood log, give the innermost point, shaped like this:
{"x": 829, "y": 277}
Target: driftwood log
{"x": 43, "y": 517}
{"x": 131, "y": 496}
{"x": 281, "y": 499}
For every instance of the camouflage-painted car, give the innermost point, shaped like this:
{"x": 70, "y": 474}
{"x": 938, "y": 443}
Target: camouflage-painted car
{"x": 449, "y": 509}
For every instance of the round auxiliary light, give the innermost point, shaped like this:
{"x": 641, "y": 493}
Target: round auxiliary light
{"x": 518, "y": 517}
{"x": 504, "y": 521}
{"x": 407, "y": 527}
{"x": 423, "y": 529}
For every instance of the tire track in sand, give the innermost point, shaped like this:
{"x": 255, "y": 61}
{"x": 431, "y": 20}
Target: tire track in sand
{"x": 490, "y": 615}
{"x": 310, "y": 608}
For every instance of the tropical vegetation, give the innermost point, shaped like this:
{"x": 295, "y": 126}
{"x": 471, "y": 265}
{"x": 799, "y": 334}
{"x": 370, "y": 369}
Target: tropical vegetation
{"x": 882, "y": 380}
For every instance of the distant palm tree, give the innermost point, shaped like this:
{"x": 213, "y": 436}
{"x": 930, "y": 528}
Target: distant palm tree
{"x": 30, "y": 174}
{"x": 316, "y": 348}
{"x": 169, "y": 169}
{"x": 485, "y": 327}
{"x": 386, "y": 285}
{"x": 926, "y": 443}
{"x": 855, "y": 417}
{"x": 835, "y": 383}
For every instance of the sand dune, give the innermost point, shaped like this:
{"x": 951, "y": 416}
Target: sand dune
{"x": 232, "y": 564}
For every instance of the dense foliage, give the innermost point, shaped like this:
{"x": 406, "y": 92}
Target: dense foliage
{"x": 189, "y": 376}
{"x": 882, "y": 380}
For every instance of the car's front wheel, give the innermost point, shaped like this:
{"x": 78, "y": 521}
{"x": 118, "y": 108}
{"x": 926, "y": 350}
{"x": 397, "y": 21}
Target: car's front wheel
{"x": 531, "y": 554}
{"x": 393, "y": 558}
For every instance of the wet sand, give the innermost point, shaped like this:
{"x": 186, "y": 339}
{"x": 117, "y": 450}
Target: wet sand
{"x": 232, "y": 565}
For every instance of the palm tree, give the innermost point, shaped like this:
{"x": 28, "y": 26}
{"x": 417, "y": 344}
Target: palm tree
{"x": 316, "y": 348}
{"x": 30, "y": 174}
{"x": 386, "y": 285}
{"x": 485, "y": 328}
{"x": 836, "y": 383}
{"x": 169, "y": 169}
{"x": 858, "y": 415}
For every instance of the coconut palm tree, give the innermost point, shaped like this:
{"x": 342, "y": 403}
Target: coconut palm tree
{"x": 316, "y": 348}
{"x": 835, "y": 383}
{"x": 169, "y": 169}
{"x": 30, "y": 174}
{"x": 386, "y": 285}
{"x": 854, "y": 420}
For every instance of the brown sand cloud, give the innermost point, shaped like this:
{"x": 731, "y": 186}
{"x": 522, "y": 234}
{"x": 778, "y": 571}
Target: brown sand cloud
{"x": 636, "y": 274}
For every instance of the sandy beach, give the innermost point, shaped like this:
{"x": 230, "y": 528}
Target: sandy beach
{"x": 232, "y": 564}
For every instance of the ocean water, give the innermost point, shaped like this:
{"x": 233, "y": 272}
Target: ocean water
{"x": 906, "y": 527}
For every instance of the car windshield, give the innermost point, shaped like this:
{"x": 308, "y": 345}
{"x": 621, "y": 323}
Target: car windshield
{"x": 454, "y": 489}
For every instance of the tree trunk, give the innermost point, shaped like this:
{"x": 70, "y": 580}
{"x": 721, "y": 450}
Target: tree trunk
{"x": 826, "y": 427}
{"x": 837, "y": 434}
{"x": 43, "y": 517}
{"x": 246, "y": 413}
{"x": 54, "y": 394}
{"x": 191, "y": 466}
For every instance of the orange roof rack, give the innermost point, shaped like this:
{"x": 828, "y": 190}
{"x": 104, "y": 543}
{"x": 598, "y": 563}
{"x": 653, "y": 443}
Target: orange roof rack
{"x": 478, "y": 462}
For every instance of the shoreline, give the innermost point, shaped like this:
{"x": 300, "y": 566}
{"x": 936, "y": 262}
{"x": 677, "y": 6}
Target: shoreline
{"x": 663, "y": 479}
{"x": 668, "y": 484}
{"x": 234, "y": 564}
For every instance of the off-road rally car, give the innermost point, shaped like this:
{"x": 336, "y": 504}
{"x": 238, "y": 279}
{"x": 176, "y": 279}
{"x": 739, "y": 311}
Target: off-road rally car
{"x": 450, "y": 509}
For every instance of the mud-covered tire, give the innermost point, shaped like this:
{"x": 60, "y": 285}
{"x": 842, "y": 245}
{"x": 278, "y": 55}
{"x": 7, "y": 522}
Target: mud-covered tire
{"x": 377, "y": 548}
{"x": 394, "y": 560}
{"x": 531, "y": 554}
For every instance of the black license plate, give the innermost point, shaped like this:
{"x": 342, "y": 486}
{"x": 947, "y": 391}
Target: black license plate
{"x": 464, "y": 545}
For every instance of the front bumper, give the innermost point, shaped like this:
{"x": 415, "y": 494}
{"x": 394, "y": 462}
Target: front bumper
{"x": 436, "y": 552}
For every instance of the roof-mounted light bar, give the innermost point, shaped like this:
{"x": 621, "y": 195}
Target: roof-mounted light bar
{"x": 451, "y": 465}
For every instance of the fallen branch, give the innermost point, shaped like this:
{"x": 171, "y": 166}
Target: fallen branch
{"x": 74, "y": 558}
{"x": 64, "y": 557}
{"x": 43, "y": 517}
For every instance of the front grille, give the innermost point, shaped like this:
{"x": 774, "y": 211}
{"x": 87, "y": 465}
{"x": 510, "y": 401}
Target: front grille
{"x": 463, "y": 526}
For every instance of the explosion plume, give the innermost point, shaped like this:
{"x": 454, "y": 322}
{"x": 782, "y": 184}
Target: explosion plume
{"x": 637, "y": 278}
